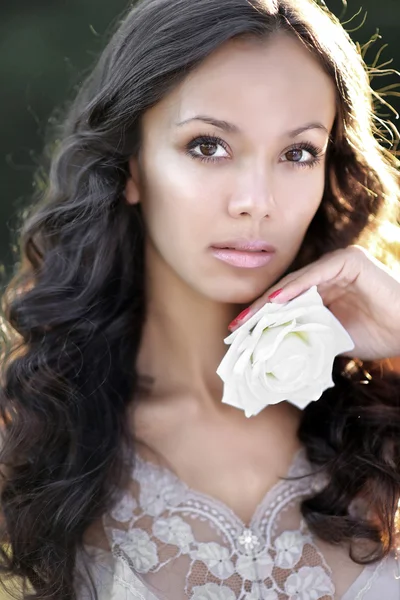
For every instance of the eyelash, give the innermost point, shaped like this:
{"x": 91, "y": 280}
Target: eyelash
{"x": 209, "y": 139}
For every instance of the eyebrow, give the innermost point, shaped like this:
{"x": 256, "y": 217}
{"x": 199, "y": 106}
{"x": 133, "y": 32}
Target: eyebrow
{"x": 231, "y": 128}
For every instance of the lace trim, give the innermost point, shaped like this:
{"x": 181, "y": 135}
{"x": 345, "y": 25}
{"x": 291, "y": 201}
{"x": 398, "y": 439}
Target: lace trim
{"x": 262, "y": 560}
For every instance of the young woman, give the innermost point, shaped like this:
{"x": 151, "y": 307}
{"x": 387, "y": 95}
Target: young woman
{"x": 220, "y": 154}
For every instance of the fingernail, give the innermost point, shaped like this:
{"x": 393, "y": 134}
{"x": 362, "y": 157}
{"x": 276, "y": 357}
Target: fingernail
{"x": 275, "y": 294}
{"x": 239, "y": 318}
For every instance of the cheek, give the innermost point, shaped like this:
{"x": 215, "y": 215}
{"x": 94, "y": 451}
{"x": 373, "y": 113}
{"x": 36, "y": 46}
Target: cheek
{"x": 177, "y": 209}
{"x": 179, "y": 191}
{"x": 300, "y": 195}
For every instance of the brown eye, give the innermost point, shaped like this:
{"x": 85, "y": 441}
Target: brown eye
{"x": 302, "y": 155}
{"x": 208, "y": 149}
{"x": 294, "y": 155}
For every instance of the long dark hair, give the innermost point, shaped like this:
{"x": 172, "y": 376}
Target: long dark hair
{"x": 74, "y": 310}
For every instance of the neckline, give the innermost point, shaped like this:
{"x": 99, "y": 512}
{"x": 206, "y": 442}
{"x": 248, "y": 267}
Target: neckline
{"x": 299, "y": 467}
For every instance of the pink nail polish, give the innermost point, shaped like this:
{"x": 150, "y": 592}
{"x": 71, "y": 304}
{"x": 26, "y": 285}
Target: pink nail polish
{"x": 239, "y": 318}
{"x": 275, "y": 294}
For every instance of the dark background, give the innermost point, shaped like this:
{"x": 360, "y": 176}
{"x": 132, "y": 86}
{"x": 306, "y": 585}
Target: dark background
{"x": 46, "y": 46}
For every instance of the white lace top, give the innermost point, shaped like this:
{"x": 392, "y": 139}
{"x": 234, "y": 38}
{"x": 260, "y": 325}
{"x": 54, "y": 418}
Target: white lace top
{"x": 170, "y": 542}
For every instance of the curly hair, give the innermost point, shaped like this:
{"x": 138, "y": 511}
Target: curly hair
{"x": 73, "y": 311}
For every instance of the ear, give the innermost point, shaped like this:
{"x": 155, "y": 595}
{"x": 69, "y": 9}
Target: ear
{"x": 132, "y": 193}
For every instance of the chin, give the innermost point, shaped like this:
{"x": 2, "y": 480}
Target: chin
{"x": 238, "y": 292}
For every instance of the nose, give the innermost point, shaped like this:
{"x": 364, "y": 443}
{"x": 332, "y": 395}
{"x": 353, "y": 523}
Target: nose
{"x": 253, "y": 196}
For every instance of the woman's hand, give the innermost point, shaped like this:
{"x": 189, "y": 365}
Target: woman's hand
{"x": 359, "y": 290}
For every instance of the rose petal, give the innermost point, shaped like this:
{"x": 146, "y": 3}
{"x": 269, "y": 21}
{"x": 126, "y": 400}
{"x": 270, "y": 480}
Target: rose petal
{"x": 284, "y": 352}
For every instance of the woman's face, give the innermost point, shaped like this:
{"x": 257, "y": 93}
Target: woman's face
{"x": 231, "y": 168}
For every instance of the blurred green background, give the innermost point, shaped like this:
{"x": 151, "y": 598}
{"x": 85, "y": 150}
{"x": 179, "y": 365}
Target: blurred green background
{"x": 46, "y": 46}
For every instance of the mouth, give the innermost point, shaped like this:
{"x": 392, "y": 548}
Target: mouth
{"x": 244, "y": 254}
{"x": 241, "y": 245}
{"x": 238, "y": 249}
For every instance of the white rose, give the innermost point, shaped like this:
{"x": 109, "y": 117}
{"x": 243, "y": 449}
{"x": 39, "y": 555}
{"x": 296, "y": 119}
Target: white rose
{"x": 283, "y": 352}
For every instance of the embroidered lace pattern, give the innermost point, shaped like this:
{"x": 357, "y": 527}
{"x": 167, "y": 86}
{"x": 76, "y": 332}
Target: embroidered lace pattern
{"x": 181, "y": 544}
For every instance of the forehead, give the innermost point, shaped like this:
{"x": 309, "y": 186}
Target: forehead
{"x": 276, "y": 82}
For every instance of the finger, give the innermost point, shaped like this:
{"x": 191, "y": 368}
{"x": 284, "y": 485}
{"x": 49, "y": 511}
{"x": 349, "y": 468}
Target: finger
{"x": 331, "y": 292}
{"x": 282, "y": 284}
{"x": 324, "y": 273}
{"x": 262, "y": 300}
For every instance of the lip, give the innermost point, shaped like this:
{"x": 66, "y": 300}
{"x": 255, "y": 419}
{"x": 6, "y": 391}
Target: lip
{"x": 245, "y": 245}
{"x": 245, "y": 254}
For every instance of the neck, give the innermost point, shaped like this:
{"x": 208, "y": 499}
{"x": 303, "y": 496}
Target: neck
{"x": 181, "y": 348}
